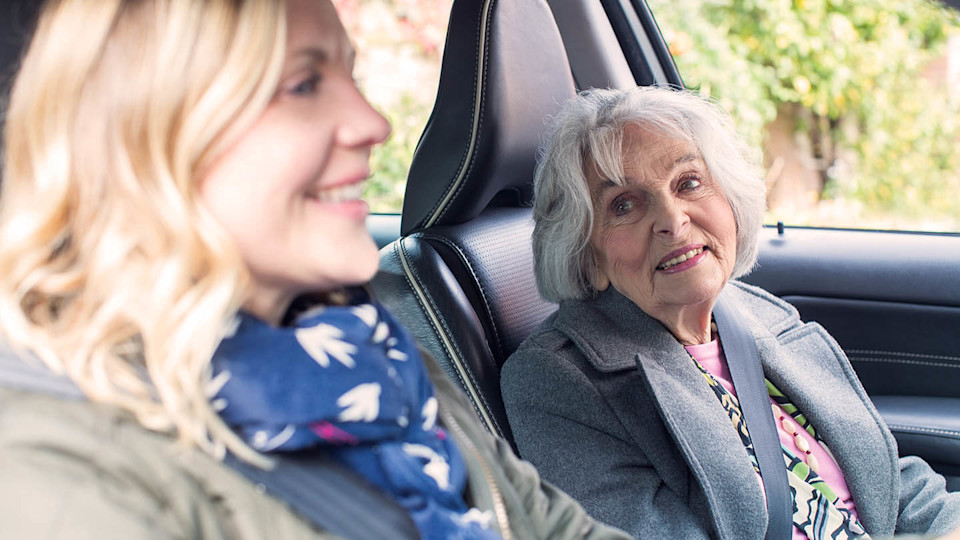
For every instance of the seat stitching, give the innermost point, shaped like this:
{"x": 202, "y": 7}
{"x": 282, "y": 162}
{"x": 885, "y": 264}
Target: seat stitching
{"x": 456, "y": 355}
{"x": 948, "y": 432}
{"x": 397, "y": 248}
{"x": 483, "y": 292}
{"x": 902, "y": 361}
{"x": 479, "y": 82}
{"x": 905, "y": 354}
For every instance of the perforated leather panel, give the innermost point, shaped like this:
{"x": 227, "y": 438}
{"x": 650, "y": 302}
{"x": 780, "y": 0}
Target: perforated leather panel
{"x": 468, "y": 294}
{"x": 496, "y": 249}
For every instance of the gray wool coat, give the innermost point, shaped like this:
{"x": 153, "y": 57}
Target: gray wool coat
{"x": 608, "y": 406}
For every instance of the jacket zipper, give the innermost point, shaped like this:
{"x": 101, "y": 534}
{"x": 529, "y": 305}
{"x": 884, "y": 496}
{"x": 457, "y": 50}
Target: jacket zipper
{"x": 499, "y": 508}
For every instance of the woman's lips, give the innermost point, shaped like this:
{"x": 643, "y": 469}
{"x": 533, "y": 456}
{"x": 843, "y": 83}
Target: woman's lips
{"x": 356, "y": 209}
{"x": 682, "y": 259}
{"x": 343, "y": 199}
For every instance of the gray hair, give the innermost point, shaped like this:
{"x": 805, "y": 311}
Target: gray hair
{"x": 589, "y": 130}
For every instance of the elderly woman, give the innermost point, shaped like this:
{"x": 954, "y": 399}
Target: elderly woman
{"x": 184, "y": 250}
{"x": 647, "y": 208}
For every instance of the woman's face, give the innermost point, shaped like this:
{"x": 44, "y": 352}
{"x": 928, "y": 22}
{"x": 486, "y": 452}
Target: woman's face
{"x": 288, "y": 191}
{"x": 666, "y": 239}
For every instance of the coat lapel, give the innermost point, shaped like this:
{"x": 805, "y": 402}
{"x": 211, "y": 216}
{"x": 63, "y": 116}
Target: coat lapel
{"x": 805, "y": 364}
{"x": 811, "y": 369}
{"x": 814, "y": 375}
{"x": 615, "y": 335}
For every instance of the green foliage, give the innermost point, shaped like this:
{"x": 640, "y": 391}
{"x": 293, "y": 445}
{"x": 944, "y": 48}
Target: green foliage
{"x": 390, "y": 163}
{"x": 398, "y": 43}
{"x": 857, "y": 68}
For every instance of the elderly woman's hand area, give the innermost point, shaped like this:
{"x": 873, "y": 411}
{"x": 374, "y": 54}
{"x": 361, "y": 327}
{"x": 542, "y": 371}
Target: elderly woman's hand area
{"x": 647, "y": 209}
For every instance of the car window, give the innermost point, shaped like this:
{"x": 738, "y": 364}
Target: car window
{"x": 856, "y": 104}
{"x": 399, "y": 45}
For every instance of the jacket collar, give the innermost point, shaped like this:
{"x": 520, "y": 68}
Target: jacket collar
{"x": 611, "y": 330}
{"x": 615, "y": 335}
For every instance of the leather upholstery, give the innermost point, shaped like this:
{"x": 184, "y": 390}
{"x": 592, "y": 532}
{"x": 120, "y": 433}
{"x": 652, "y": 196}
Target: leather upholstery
{"x": 468, "y": 295}
{"x": 504, "y": 70}
{"x": 17, "y": 18}
{"x": 924, "y": 426}
{"x": 461, "y": 275}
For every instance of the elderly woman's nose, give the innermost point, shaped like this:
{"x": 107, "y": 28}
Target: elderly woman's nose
{"x": 670, "y": 218}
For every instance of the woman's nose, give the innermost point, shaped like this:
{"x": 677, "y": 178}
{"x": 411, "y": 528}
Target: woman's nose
{"x": 362, "y": 125}
{"x": 670, "y": 218}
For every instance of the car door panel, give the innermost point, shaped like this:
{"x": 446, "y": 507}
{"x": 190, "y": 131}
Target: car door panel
{"x": 928, "y": 427}
{"x": 892, "y": 301}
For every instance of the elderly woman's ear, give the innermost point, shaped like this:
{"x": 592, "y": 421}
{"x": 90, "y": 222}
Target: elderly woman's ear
{"x": 597, "y": 276}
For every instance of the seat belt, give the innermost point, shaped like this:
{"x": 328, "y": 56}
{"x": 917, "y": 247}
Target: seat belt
{"x": 322, "y": 491}
{"x": 743, "y": 360}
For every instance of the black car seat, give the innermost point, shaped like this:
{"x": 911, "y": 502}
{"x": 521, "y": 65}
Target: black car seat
{"x": 461, "y": 274}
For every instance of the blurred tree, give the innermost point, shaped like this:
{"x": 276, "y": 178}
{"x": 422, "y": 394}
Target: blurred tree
{"x": 837, "y": 91}
{"x": 848, "y": 79}
{"x": 399, "y": 45}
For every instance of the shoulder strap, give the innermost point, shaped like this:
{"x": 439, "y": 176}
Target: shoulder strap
{"x": 331, "y": 496}
{"x": 321, "y": 490}
{"x": 26, "y": 372}
{"x": 743, "y": 361}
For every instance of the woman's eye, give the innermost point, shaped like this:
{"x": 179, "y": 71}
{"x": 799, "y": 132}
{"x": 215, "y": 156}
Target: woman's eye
{"x": 306, "y": 87}
{"x": 689, "y": 183}
{"x": 623, "y": 206}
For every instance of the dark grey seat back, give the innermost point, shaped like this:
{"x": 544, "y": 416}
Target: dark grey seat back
{"x": 461, "y": 275}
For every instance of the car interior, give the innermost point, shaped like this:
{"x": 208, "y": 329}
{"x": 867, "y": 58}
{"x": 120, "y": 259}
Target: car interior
{"x": 457, "y": 267}
{"x": 460, "y": 275}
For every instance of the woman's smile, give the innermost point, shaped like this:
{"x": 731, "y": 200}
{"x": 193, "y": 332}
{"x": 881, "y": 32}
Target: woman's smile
{"x": 288, "y": 191}
{"x": 682, "y": 259}
{"x": 342, "y": 199}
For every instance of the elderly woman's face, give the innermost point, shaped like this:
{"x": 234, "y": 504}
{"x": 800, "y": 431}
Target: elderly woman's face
{"x": 666, "y": 239}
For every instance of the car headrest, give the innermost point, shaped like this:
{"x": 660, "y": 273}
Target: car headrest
{"x": 504, "y": 71}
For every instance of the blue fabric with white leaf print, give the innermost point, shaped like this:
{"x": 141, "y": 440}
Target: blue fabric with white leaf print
{"x": 348, "y": 380}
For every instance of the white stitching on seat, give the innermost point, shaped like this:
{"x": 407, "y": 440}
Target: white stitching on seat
{"x": 483, "y": 292}
{"x": 916, "y": 429}
{"x": 905, "y": 354}
{"x": 421, "y": 301}
{"x": 901, "y": 361}
{"x": 456, "y": 356}
{"x": 441, "y": 207}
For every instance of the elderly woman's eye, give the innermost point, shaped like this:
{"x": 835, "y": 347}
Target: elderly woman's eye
{"x": 690, "y": 183}
{"x": 623, "y": 206}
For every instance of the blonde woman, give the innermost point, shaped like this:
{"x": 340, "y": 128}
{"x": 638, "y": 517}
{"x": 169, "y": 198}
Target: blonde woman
{"x": 183, "y": 250}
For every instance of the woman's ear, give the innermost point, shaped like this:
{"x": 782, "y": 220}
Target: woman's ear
{"x": 601, "y": 282}
{"x": 598, "y": 278}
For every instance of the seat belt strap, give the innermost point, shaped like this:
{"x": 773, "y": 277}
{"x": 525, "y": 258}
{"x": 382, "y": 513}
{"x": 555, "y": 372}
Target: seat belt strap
{"x": 743, "y": 360}
{"x": 331, "y": 496}
{"x": 322, "y": 491}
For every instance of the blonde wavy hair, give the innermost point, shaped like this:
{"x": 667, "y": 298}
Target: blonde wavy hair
{"x": 111, "y": 271}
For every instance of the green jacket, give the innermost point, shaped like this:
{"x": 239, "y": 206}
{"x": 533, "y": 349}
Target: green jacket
{"x": 79, "y": 470}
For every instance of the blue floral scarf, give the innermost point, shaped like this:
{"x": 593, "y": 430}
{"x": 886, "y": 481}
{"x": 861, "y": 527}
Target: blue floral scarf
{"x": 348, "y": 380}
